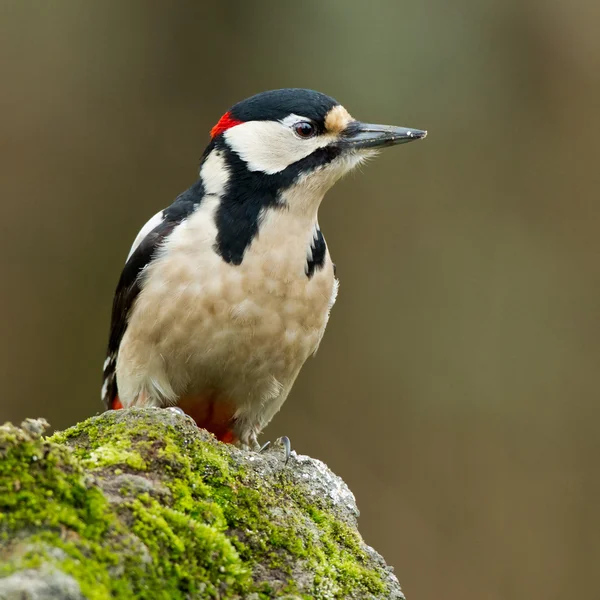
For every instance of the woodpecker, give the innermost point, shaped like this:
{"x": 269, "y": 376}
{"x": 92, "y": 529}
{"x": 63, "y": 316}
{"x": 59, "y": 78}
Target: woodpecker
{"x": 227, "y": 292}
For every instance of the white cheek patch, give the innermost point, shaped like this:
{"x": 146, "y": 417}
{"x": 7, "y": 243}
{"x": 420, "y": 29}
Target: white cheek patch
{"x": 155, "y": 221}
{"x": 270, "y": 146}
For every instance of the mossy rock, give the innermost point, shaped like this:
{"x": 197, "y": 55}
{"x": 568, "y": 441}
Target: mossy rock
{"x": 142, "y": 504}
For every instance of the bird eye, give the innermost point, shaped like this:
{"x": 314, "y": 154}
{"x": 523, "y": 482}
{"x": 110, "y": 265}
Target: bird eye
{"x": 304, "y": 129}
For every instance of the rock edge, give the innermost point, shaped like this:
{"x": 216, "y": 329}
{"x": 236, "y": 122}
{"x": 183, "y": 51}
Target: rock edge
{"x": 141, "y": 503}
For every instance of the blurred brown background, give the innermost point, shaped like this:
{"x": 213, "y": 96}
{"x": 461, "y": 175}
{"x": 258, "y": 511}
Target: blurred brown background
{"x": 456, "y": 390}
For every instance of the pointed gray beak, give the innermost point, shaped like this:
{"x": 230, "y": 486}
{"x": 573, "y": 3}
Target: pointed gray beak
{"x": 366, "y": 135}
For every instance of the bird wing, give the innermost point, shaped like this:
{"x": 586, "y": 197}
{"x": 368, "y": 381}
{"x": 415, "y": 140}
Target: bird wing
{"x": 150, "y": 238}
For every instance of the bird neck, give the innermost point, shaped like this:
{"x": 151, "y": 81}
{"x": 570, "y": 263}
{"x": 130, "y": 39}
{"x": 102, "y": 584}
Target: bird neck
{"x": 224, "y": 174}
{"x": 302, "y": 200}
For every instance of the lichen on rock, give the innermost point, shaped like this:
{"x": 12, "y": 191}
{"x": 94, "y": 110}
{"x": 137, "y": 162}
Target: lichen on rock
{"x": 141, "y": 503}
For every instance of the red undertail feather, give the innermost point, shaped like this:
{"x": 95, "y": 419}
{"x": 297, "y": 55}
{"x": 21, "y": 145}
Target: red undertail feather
{"x": 228, "y": 437}
{"x": 211, "y": 412}
{"x": 116, "y": 403}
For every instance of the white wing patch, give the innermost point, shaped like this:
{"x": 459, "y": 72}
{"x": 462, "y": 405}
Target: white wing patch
{"x": 144, "y": 231}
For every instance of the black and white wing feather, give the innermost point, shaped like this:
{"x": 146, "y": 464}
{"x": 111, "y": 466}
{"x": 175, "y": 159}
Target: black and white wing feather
{"x": 151, "y": 237}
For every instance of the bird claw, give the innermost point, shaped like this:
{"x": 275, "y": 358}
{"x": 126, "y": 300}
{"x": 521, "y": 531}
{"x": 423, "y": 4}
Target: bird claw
{"x": 285, "y": 442}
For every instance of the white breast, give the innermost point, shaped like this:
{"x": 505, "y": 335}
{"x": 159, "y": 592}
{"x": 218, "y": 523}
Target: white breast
{"x": 201, "y": 323}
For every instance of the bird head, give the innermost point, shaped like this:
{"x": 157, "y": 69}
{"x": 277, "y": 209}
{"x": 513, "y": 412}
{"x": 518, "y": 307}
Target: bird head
{"x": 296, "y": 138}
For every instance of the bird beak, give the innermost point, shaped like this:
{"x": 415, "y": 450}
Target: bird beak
{"x": 359, "y": 135}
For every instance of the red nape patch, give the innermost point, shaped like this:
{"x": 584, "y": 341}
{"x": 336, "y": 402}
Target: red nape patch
{"x": 116, "y": 403}
{"x": 225, "y": 123}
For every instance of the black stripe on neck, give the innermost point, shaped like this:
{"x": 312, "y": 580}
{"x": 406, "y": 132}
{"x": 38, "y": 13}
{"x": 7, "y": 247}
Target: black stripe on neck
{"x": 318, "y": 250}
{"x": 249, "y": 192}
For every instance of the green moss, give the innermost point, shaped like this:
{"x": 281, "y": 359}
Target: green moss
{"x": 204, "y": 538}
{"x": 41, "y": 484}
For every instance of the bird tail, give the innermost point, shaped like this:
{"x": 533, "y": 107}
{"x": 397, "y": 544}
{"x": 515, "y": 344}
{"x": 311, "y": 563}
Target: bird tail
{"x": 110, "y": 391}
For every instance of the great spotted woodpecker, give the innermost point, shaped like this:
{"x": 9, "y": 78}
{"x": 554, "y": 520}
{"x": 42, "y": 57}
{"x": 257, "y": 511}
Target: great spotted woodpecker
{"x": 227, "y": 292}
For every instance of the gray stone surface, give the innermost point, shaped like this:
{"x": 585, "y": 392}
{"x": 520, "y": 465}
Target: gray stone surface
{"x": 39, "y": 584}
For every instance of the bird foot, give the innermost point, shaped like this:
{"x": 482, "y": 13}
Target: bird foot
{"x": 284, "y": 440}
